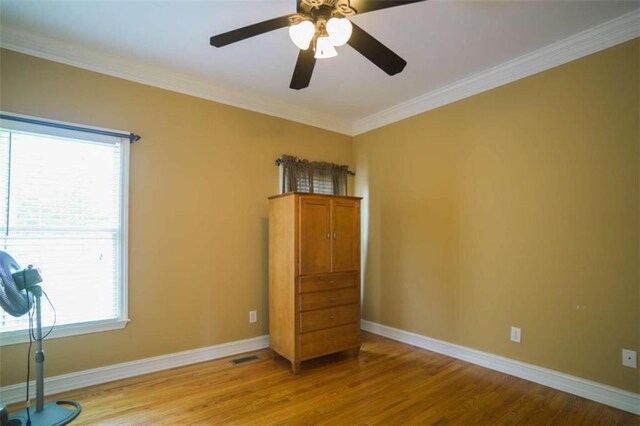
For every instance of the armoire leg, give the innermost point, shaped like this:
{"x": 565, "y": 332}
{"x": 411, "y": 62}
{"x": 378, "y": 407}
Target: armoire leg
{"x": 295, "y": 366}
{"x": 356, "y": 352}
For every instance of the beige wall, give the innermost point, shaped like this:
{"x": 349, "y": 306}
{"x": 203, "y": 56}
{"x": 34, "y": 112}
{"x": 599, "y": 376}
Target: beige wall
{"x": 198, "y": 207}
{"x": 519, "y": 206}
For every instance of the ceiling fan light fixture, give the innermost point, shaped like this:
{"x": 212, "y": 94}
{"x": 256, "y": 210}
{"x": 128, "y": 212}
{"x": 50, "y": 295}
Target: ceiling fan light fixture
{"x": 325, "y": 48}
{"x": 309, "y": 27}
{"x": 339, "y": 30}
{"x": 302, "y": 33}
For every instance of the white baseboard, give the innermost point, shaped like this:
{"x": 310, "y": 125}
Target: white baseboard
{"x": 95, "y": 376}
{"x": 618, "y": 398}
{"x": 594, "y": 391}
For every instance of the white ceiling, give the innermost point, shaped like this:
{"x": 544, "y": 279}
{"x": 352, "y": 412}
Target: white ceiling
{"x": 442, "y": 41}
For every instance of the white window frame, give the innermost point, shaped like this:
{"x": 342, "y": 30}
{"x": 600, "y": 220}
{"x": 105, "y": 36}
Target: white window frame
{"x": 65, "y": 330}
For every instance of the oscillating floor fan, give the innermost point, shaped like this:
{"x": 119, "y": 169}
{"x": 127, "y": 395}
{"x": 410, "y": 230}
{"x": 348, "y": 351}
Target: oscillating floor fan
{"x": 19, "y": 294}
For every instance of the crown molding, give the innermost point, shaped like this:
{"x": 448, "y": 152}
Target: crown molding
{"x": 116, "y": 66}
{"x": 600, "y": 37}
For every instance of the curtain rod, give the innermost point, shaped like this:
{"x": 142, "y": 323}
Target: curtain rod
{"x": 279, "y": 161}
{"x": 131, "y": 136}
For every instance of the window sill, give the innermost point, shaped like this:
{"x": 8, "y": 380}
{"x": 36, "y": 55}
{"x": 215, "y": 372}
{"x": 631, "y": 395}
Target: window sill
{"x": 22, "y": 336}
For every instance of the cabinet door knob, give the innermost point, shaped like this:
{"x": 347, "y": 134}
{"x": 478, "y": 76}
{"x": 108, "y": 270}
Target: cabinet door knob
{"x": 334, "y": 235}
{"x": 328, "y": 235}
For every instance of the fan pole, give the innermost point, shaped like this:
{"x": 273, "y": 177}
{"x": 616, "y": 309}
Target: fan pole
{"x": 23, "y": 283}
{"x": 37, "y": 292}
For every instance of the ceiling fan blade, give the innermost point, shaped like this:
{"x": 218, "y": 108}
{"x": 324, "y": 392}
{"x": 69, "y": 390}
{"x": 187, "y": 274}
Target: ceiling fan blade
{"x": 375, "y": 51}
{"x": 364, "y": 6}
{"x": 249, "y": 31}
{"x": 304, "y": 68}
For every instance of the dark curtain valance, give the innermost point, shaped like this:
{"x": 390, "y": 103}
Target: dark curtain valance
{"x": 313, "y": 176}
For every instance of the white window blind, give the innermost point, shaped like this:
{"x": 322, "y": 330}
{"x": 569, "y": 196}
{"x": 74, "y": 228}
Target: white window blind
{"x": 321, "y": 183}
{"x": 61, "y": 210}
{"x": 312, "y": 176}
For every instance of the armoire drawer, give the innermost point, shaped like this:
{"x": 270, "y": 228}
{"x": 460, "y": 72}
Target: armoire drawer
{"x": 328, "y": 282}
{"x": 327, "y": 299}
{"x": 330, "y": 340}
{"x": 330, "y": 317}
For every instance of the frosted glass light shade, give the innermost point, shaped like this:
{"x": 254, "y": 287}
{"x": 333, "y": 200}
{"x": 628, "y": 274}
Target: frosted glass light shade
{"x": 302, "y": 33}
{"x": 324, "y": 48}
{"x": 339, "y": 30}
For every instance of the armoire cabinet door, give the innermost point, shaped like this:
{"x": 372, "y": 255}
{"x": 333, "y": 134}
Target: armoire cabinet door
{"x": 315, "y": 235}
{"x": 345, "y": 235}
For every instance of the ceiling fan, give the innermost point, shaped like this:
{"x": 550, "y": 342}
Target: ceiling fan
{"x": 318, "y": 27}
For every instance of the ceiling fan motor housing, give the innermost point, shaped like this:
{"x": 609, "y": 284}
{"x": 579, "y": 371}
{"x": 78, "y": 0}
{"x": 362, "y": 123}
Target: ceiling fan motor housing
{"x": 321, "y": 10}
{"x": 336, "y": 7}
{"x": 324, "y": 12}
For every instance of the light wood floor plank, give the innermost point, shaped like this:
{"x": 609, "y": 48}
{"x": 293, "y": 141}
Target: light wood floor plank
{"x": 389, "y": 384}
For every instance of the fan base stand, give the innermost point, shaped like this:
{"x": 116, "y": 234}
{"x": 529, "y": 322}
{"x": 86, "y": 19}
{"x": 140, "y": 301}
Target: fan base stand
{"x": 53, "y": 414}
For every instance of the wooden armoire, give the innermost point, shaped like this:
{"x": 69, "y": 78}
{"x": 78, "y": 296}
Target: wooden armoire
{"x": 314, "y": 275}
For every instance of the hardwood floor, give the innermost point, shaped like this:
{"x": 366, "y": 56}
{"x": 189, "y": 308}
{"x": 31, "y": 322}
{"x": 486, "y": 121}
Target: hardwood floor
{"x": 389, "y": 384}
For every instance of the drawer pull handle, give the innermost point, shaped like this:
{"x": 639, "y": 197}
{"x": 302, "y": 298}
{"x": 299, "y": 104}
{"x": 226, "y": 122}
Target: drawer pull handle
{"x": 332, "y": 317}
{"x": 331, "y": 282}
{"x": 332, "y": 299}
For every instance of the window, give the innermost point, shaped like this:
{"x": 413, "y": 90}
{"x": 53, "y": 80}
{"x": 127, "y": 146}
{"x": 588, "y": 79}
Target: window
{"x": 63, "y": 208}
{"x": 313, "y": 176}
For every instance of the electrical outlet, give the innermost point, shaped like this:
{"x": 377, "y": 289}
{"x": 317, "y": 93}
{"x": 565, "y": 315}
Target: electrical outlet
{"x": 253, "y": 316}
{"x": 629, "y": 358}
{"x": 515, "y": 334}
